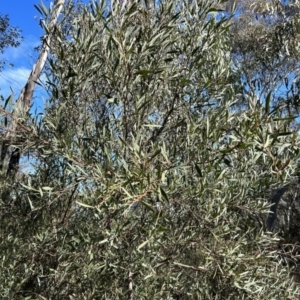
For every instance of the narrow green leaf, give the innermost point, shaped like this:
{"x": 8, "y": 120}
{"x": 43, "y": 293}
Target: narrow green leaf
{"x": 142, "y": 245}
{"x": 84, "y": 205}
{"x": 148, "y": 206}
{"x": 8, "y": 100}
{"x": 143, "y": 72}
{"x": 164, "y": 194}
{"x": 198, "y": 170}
{"x": 155, "y": 154}
{"x": 268, "y": 100}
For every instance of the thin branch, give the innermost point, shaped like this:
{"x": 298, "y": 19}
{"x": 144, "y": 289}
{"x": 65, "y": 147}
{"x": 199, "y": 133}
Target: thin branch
{"x": 190, "y": 267}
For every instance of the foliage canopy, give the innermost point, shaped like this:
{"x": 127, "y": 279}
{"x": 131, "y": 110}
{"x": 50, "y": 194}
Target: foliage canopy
{"x": 148, "y": 182}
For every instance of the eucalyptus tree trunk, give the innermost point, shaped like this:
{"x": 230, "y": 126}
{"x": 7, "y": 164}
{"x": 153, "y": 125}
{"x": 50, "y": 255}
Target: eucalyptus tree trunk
{"x": 24, "y": 102}
{"x": 274, "y": 200}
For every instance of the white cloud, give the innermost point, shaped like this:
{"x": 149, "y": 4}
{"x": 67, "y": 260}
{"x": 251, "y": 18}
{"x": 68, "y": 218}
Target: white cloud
{"x": 14, "y": 79}
{"x": 23, "y": 55}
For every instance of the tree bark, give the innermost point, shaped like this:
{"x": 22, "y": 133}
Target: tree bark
{"x": 275, "y": 198}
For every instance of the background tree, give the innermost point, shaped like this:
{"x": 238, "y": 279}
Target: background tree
{"x": 9, "y": 35}
{"x": 265, "y": 48}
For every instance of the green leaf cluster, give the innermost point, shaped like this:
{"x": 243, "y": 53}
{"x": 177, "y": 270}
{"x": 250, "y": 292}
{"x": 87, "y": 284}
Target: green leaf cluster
{"x": 147, "y": 182}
